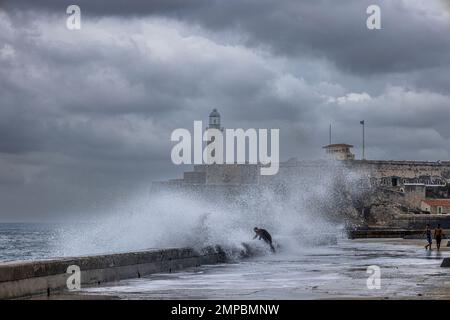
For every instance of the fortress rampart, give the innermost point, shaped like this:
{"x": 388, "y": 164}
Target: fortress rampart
{"x": 377, "y": 191}
{"x": 417, "y": 172}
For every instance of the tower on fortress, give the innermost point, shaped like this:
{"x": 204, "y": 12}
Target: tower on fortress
{"x": 214, "y": 123}
{"x": 339, "y": 151}
{"x": 214, "y": 120}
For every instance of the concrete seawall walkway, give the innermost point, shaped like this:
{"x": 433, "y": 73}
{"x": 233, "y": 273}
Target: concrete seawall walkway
{"x": 48, "y": 277}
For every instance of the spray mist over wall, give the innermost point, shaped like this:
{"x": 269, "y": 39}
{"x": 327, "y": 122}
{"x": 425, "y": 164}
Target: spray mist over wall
{"x": 298, "y": 211}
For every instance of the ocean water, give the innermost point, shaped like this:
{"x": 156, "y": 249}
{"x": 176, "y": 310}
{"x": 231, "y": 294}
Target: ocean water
{"x": 25, "y": 241}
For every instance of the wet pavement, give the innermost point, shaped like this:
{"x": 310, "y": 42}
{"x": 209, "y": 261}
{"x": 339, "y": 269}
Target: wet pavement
{"x": 325, "y": 272}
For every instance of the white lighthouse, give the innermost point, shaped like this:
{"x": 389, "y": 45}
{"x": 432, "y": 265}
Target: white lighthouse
{"x": 214, "y": 123}
{"x": 214, "y": 120}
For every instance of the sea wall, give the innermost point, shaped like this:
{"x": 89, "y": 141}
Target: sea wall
{"x": 29, "y": 278}
{"x": 419, "y": 221}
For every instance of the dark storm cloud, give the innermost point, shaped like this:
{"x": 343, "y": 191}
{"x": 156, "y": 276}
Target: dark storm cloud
{"x": 86, "y": 116}
{"x": 107, "y": 7}
{"x": 327, "y": 28}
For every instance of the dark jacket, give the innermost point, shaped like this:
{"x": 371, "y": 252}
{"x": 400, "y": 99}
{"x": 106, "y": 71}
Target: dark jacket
{"x": 263, "y": 234}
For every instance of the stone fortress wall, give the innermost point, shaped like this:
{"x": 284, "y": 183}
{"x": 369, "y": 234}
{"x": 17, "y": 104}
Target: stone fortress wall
{"x": 388, "y": 188}
{"x": 379, "y": 172}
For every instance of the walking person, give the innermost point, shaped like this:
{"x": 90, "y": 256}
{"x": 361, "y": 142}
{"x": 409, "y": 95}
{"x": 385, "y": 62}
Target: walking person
{"x": 429, "y": 238}
{"x": 438, "y": 236}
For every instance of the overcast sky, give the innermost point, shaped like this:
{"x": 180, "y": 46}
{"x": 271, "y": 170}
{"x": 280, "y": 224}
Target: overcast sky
{"x": 86, "y": 115}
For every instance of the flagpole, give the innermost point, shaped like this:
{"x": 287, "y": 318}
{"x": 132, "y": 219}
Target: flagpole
{"x": 363, "y": 147}
{"x": 330, "y": 133}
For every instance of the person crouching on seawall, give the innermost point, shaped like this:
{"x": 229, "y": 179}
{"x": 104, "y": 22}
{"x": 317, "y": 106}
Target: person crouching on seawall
{"x": 264, "y": 235}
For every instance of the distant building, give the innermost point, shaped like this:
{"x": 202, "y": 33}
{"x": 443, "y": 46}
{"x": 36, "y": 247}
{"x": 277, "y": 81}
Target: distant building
{"x": 214, "y": 120}
{"x": 405, "y": 184}
{"x": 436, "y": 206}
{"x": 339, "y": 151}
{"x": 214, "y": 123}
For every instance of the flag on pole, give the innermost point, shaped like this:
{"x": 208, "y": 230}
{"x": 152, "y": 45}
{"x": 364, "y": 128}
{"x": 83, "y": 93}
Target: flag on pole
{"x": 363, "y": 145}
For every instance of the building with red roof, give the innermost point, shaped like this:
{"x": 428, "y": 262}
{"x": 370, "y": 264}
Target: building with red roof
{"x": 436, "y": 206}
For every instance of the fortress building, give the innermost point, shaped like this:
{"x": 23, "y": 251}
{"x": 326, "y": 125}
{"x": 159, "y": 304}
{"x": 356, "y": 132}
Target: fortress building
{"x": 405, "y": 184}
{"x": 436, "y": 206}
{"x": 214, "y": 120}
{"x": 339, "y": 151}
{"x": 214, "y": 123}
